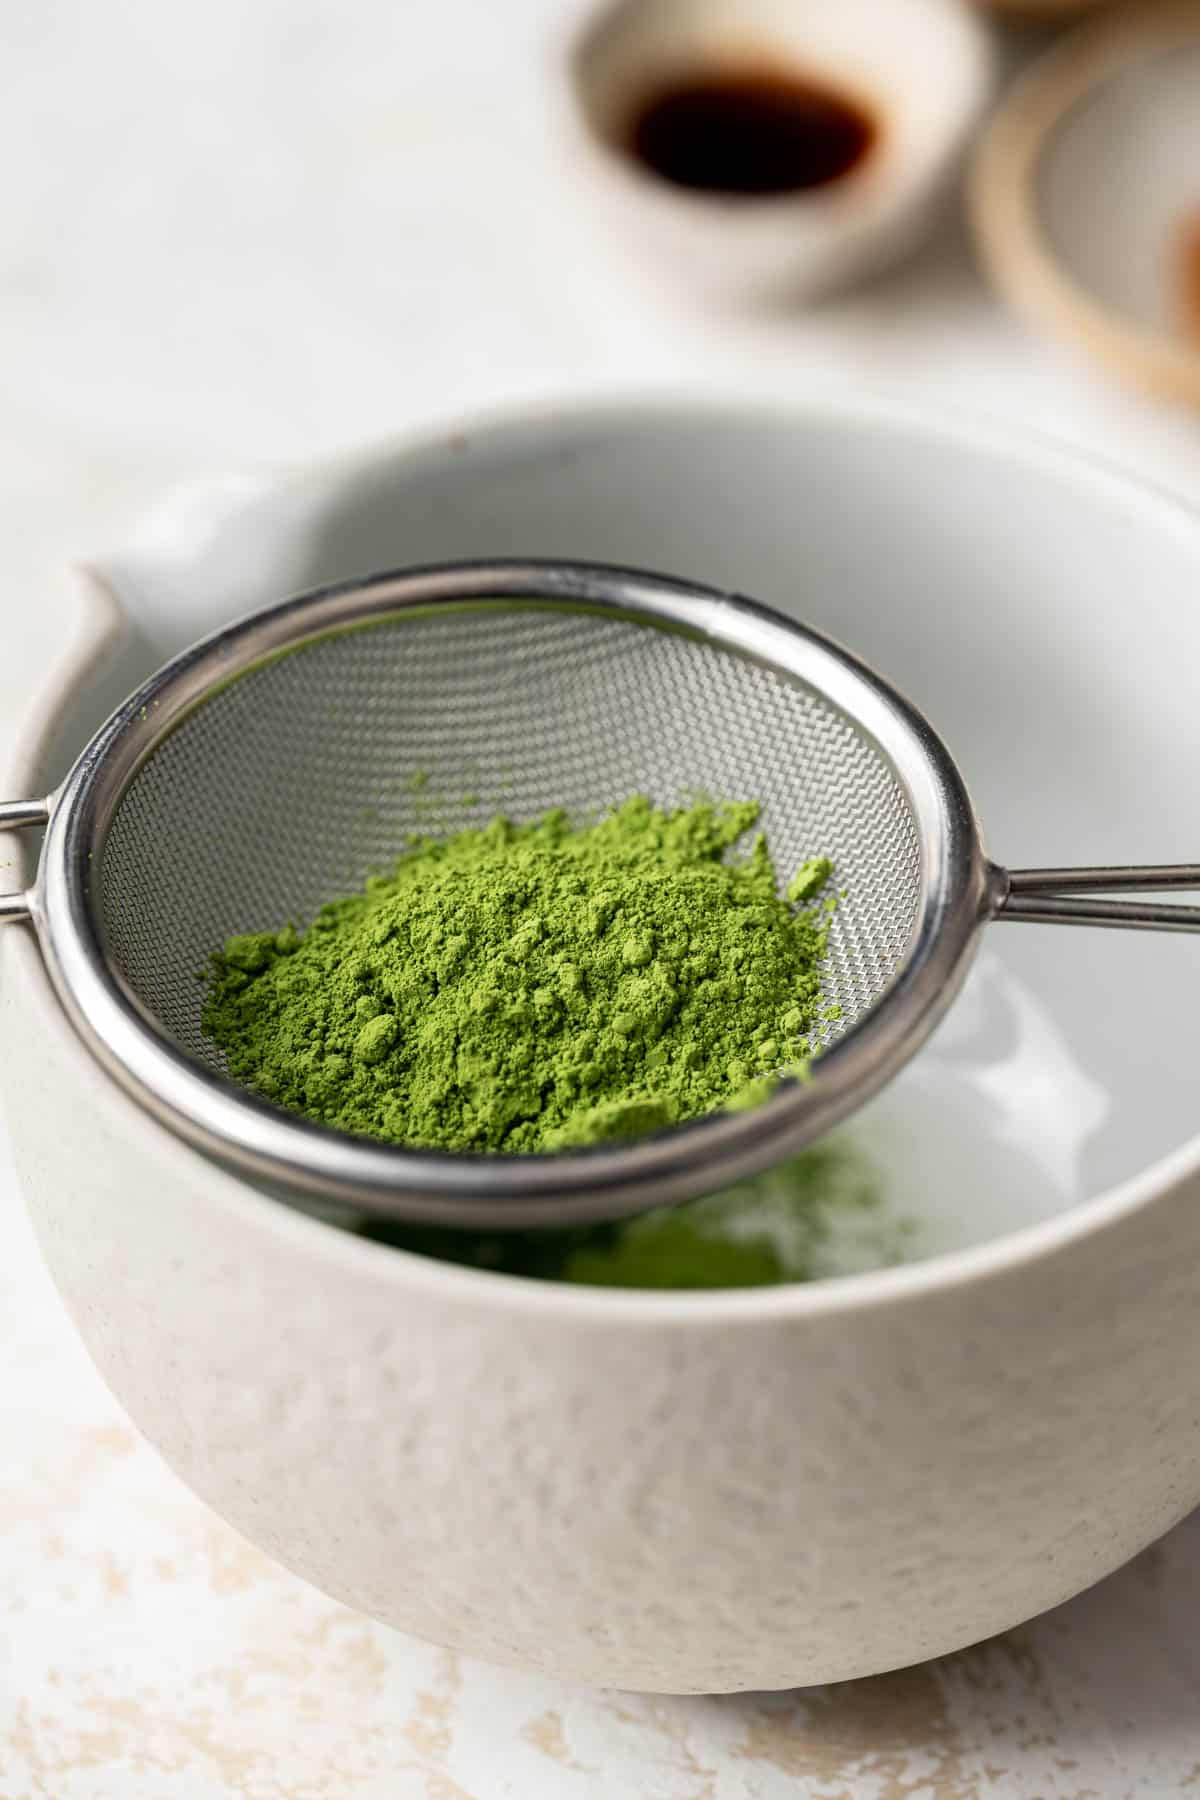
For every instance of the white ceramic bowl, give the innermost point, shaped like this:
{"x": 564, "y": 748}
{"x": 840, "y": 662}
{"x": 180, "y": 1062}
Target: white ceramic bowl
{"x": 921, "y": 68}
{"x": 694, "y": 1491}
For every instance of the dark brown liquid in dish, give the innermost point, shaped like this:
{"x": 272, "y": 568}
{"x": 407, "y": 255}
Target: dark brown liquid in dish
{"x": 753, "y": 130}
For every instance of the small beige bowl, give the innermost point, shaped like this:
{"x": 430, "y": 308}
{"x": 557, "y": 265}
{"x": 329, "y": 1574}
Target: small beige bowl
{"x": 1040, "y": 12}
{"x": 1085, "y": 196}
{"x": 921, "y": 69}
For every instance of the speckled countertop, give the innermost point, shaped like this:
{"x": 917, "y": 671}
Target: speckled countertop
{"x": 236, "y": 236}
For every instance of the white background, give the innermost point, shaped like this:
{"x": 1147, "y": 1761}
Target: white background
{"x": 255, "y": 232}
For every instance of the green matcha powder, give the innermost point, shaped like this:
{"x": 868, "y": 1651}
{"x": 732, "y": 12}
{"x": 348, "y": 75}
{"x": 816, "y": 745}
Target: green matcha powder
{"x": 530, "y": 987}
{"x": 534, "y": 987}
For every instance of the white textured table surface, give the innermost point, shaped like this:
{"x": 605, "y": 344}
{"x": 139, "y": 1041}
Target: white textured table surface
{"x": 241, "y": 235}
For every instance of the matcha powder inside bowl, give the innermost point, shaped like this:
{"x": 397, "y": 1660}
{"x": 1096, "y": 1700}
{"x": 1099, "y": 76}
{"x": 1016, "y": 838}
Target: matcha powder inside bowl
{"x": 535, "y": 987}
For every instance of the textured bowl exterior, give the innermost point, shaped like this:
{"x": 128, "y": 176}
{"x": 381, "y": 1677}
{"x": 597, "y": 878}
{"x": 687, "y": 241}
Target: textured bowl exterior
{"x": 691, "y": 1496}
{"x": 675, "y": 1493}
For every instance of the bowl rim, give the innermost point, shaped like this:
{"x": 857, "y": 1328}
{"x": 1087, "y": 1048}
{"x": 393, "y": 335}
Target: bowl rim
{"x": 1037, "y": 453}
{"x": 1003, "y": 208}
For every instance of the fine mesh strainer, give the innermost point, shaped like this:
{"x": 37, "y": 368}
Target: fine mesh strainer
{"x": 281, "y": 760}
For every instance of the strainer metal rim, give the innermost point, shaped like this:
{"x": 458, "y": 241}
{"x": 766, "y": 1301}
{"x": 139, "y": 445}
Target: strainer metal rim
{"x": 219, "y": 1117}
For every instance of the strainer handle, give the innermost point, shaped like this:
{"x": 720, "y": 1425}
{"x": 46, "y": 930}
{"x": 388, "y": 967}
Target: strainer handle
{"x": 1061, "y": 896}
{"x": 13, "y": 815}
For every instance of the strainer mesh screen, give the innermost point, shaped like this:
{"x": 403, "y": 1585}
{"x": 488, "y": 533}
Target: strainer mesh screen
{"x": 291, "y": 784}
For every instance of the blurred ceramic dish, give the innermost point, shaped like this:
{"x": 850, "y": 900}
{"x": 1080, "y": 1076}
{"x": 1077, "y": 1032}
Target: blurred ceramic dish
{"x": 794, "y": 244}
{"x": 1041, "y": 12}
{"x": 690, "y": 1491}
{"x": 1085, "y": 196}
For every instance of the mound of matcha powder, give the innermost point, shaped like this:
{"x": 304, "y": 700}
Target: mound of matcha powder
{"x": 532, "y": 987}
